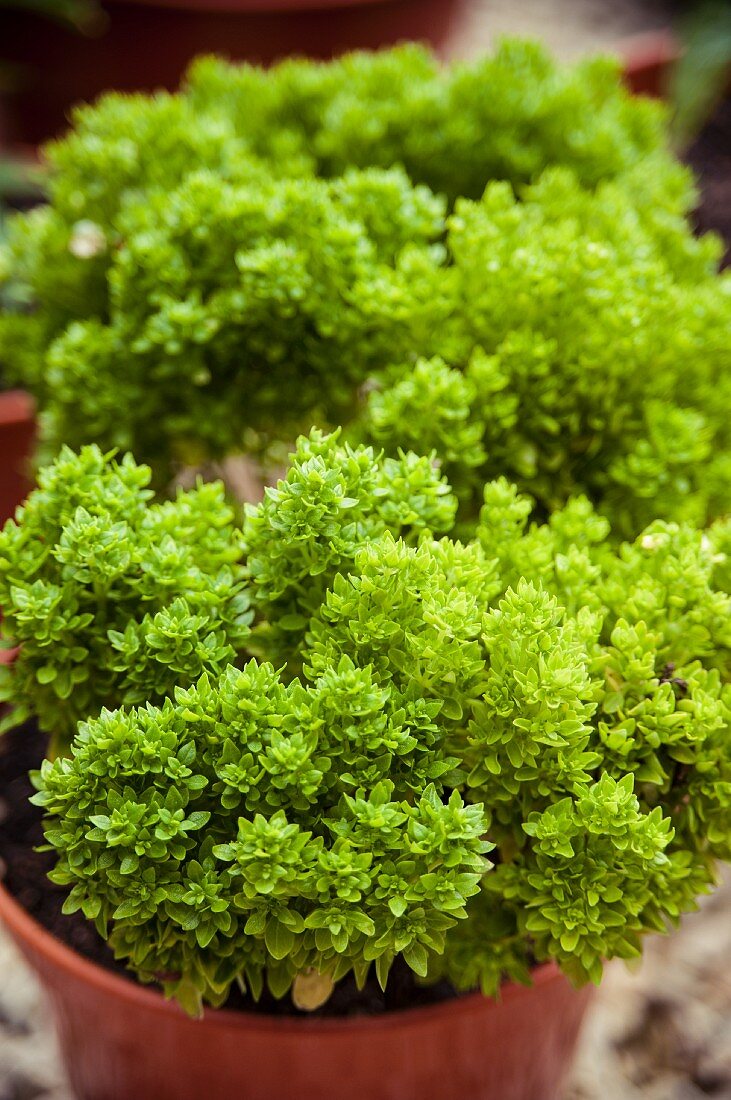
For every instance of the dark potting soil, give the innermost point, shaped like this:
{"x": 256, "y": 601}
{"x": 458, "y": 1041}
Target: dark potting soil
{"x": 24, "y": 871}
{"x": 710, "y": 158}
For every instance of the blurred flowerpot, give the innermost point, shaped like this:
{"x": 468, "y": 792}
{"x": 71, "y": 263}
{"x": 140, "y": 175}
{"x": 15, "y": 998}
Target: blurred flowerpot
{"x": 17, "y": 434}
{"x": 120, "y": 1040}
{"x": 147, "y": 44}
{"x": 648, "y": 61}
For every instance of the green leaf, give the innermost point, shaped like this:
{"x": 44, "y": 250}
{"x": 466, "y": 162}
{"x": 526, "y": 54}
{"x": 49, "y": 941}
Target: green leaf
{"x": 278, "y": 938}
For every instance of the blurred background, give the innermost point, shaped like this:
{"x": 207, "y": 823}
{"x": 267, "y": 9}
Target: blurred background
{"x": 55, "y": 52}
{"x": 664, "y": 1031}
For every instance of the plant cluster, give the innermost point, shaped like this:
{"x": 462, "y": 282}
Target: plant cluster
{"x": 585, "y": 351}
{"x": 508, "y": 116}
{"x": 505, "y": 116}
{"x": 229, "y": 306}
{"x": 111, "y": 599}
{"x": 219, "y": 269}
{"x": 476, "y": 755}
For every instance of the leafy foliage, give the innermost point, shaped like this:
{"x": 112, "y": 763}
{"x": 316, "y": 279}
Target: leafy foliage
{"x": 114, "y": 600}
{"x": 508, "y": 116}
{"x": 505, "y": 116}
{"x": 311, "y": 526}
{"x": 536, "y": 696}
{"x": 586, "y": 352}
{"x": 220, "y": 269}
{"x": 225, "y": 308}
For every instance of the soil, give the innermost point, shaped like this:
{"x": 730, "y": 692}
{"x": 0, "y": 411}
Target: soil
{"x": 22, "y": 868}
{"x": 710, "y": 158}
{"x": 24, "y": 871}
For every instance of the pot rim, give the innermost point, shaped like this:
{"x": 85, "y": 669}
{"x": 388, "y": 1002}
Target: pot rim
{"x": 26, "y": 930}
{"x": 16, "y": 407}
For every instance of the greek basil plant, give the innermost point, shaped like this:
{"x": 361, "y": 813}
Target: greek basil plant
{"x": 113, "y": 599}
{"x": 473, "y": 755}
{"x": 493, "y": 260}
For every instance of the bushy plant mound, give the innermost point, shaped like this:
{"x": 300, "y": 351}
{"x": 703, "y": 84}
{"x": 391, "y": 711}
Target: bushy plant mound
{"x": 114, "y": 600}
{"x": 534, "y": 700}
{"x": 234, "y": 311}
{"x": 505, "y": 116}
{"x": 508, "y": 116}
{"x": 219, "y": 269}
{"x": 586, "y": 350}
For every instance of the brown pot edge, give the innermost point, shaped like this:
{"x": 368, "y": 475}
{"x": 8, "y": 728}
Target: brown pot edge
{"x": 28, "y": 933}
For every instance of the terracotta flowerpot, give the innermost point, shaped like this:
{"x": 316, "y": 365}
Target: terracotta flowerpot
{"x": 648, "y": 61}
{"x": 121, "y": 1041}
{"x": 17, "y": 433}
{"x": 147, "y": 44}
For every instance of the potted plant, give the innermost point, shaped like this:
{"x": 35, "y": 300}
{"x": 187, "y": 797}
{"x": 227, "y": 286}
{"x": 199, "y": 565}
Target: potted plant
{"x": 434, "y": 766}
{"x": 145, "y": 45}
{"x": 220, "y": 269}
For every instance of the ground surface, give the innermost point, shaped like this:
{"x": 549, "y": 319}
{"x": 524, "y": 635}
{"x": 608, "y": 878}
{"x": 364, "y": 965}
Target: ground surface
{"x": 568, "y": 27}
{"x": 663, "y": 1033}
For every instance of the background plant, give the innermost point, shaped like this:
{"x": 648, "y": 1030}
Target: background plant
{"x": 700, "y": 78}
{"x": 534, "y": 696}
{"x": 21, "y": 184}
{"x": 220, "y": 269}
